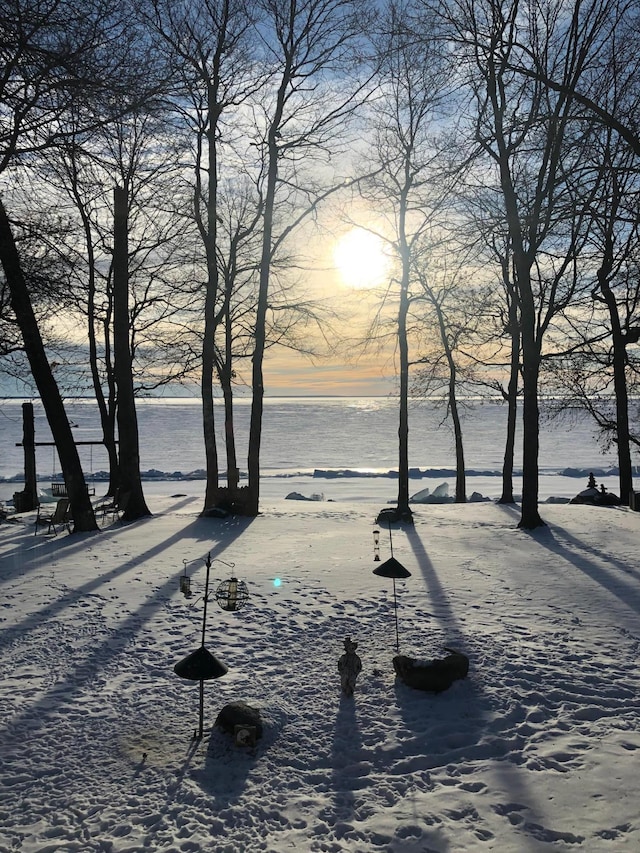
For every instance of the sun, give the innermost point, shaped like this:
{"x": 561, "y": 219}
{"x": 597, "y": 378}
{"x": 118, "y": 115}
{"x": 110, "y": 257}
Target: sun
{"x": 360, "y": 259}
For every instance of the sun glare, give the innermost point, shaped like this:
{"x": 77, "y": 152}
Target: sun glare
{"x": 360, "y": 259}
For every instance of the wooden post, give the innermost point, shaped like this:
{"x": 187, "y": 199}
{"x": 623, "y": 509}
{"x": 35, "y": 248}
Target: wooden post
{"x": 30, "y": 493}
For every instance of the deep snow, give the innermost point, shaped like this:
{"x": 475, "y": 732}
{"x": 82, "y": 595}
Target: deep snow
{"x": 536, "y": 750}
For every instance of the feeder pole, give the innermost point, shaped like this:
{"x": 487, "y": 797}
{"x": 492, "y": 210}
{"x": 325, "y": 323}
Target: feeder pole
{"x": 395, "y": 600}
{"x": 200, "y": 732}
{"x": 395, "y": 607}
{"x": 206, "y": 596}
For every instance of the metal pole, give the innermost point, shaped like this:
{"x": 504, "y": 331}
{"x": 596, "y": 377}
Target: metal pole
{"x": 201, "y": 718}
{"x": 395, "y": 606}
{"x": 204, "y": 627}
{"x": 206, "y": 597}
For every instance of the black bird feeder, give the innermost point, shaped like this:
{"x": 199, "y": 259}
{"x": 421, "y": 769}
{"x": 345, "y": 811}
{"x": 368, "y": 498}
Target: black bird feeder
{"x": 201, "y": 665}
{"x": 232, "y": 594}
{"x": 393, "y": 569}
{"x": 376, "y": 546}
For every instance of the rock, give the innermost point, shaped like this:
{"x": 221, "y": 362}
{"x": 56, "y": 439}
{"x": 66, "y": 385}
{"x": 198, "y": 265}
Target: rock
{"x": 296, "y": 496}
{"x": 215, "y": 512}
{"x": 595, "y": 496}
{"x": 390, "y": 515}
{"x": 432, "y": 676}
{"x": 239, "y": 714}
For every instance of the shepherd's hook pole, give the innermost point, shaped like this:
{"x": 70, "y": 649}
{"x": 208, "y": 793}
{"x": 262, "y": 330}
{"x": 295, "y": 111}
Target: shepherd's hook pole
{"x": 204, "y": 627}
{"x": 201, "y": 717}
{"x": 395, "y": 607}
{"x": 206, "y": 597}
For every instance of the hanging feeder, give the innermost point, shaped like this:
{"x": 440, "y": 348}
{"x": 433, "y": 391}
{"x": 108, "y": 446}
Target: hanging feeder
{"x": 393, "y": 569}
{"x": 376, "y": 546}
{"x": 185, "y": 582}
{"x": 232, "y": 594}
{"x": 201, "y": 665}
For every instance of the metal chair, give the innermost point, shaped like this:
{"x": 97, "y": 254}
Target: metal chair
{"x": 114, "y": 507}
{"x": 60, "y": 517}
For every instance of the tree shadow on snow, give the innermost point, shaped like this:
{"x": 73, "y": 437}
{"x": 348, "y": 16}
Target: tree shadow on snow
{"x": 100, "y": 655}
{"x": 591, "y": 561}
{"x": 458, "y": 726}
{"x": 198, "y": 529}
{"x": 32, "y": 552}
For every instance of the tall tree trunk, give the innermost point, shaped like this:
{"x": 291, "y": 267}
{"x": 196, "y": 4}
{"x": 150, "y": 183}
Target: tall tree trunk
{"x": 512, "y": 407}
{"x": 461, "y": 480}
{"x": 530, "y": 517}
{"x": 129, "y": 468}
{"x": 403, "y": 509}
{"x": 81, "y": 508}
{"x": 523, "y": 260}
{"x": 625, "y": 470}
{"x": 208, "y": 416}
{"x": 233, "y": 474}
{"x": 257, "y": 377}
{"x": 107, "y": 415}
{"x": 226, "y": 374}
{"x": 210, "y": 237}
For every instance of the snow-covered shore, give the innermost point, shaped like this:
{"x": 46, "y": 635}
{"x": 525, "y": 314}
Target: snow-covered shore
{"x": 351, "y": 487}
{"x": 536, "y": 750}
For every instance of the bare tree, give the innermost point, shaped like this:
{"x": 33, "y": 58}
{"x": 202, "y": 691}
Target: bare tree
{"x": 61, "y": 57}
{"x": 528, "y": 132}
{"x": 411, "y": 86}
{"x": 47, "y": 51}
{"x": 609, "y": 93}
{"x": 450, "y": 310}
{"x": 209, "y": 50}
{"x": 601, "y": 341}
{"x": 309, "y": 49}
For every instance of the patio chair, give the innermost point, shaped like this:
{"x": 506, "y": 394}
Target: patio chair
{"x": 114, "y": 507}
{"x": 60, "y": 517}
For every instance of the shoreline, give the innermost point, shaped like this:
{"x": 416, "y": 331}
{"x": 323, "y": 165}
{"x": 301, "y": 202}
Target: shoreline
{"x": 350, "y": 489}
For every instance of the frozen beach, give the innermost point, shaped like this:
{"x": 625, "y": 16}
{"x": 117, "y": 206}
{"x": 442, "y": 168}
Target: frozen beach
{"x": 535, "y": 750}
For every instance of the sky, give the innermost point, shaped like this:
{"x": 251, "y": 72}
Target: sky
{"x": 351, "y": 270}
{"x": 346, "y": 273}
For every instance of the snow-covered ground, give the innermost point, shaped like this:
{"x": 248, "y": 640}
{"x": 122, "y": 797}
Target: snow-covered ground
{"x": 536, "y": 750}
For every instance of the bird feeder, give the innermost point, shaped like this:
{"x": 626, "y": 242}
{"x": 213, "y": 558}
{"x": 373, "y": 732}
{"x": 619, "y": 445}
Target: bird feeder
{"x": 232, "y": 594}
{"x": 376, "y": 545}
{"x": 201, "y": 665}
{"x": 185, "y": 582}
